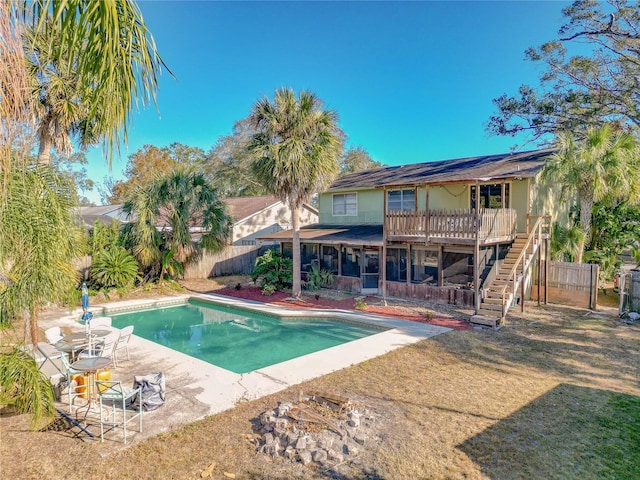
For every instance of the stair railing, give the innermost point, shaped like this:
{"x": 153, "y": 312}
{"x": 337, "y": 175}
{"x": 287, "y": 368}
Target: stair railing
{"x": 534, "y": 232}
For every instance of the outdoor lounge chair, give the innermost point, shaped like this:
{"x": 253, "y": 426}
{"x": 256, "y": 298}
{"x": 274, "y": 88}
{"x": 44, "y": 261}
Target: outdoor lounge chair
{"x": 117, "y": 397}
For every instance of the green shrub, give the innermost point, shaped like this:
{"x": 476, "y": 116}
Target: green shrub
{"x": 318, "y": 278}
{"x": 114, "y": 268}
{"x": 268, "y": 290}
{"x": 360, "y": 303}
{"x": 272, "y": 269}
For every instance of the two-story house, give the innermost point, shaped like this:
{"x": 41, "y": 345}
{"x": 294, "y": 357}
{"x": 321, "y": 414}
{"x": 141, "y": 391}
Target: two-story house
{"x": 464, "y": 231}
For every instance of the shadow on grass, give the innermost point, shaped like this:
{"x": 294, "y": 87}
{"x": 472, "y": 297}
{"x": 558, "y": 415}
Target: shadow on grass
{"x": 570, "y": 432}
{"x": 582, "y": 350}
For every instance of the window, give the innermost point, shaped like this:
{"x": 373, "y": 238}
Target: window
{"x": 457, "y": 268}
{"x": 397, "y": 264}
{"x": 308, "y": 255}
{"x": 490, "y": 196}
{"x": 329, "y": 259}
{"x": 350, "y": 261}
{"x": 424, "y": 265}
{"x": 401, "y": 200}
{"x": 345, "y": 204}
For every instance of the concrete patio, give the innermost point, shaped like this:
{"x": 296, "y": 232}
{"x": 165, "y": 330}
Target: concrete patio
{"x": 196, "y": 389}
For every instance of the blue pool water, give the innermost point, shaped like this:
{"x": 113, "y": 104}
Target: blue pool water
{"x": 235, "y": 339}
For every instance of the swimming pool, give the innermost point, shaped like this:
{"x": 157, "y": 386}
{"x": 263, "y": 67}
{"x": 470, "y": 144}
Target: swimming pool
{"x": 238, "y": 340}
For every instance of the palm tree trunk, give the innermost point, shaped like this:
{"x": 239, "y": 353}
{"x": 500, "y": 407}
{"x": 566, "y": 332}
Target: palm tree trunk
{"x": 31, "y": 328}
{"x": 586, "y": 209}
{"x": 44, "y": 151}
{"x": 296, "y": 290}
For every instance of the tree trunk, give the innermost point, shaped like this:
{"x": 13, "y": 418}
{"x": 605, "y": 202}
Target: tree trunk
{"x": 31, "y": 328}
{"x": 296, "y": 290}
{"x": 44, "y": 151}
{"x": 586, "y": 209}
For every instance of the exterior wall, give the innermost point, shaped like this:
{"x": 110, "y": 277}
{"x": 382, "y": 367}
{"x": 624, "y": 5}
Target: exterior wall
{"x": 520, "y": 202}
{"x": 370, "y": 208}
{"x": 271, "y": 220}
{"x": 445, "y": 197}
{"x": 546, "y": 201}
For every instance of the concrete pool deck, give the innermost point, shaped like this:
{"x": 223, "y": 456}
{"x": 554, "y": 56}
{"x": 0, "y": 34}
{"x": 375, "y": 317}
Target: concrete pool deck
{"x": 196, "y": 389}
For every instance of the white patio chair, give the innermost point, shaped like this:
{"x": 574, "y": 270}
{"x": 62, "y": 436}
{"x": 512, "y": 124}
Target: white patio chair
{"x": 46, "y": 353}
{"x": 53, "y": 334}
{"x": 101, "y": 322}
{"x": 108, "y": 346}
{"x": 123, "y": 343}
{"x": 114, "y": 395}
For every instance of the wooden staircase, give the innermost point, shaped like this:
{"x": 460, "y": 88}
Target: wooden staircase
{"x": 507, "y": 286}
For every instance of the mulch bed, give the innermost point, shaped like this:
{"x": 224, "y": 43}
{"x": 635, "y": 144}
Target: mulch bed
{"x": 283, "y": 299}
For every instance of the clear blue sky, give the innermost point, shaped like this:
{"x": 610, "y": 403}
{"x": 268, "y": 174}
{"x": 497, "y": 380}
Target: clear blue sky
{"x": 410, "y": 81}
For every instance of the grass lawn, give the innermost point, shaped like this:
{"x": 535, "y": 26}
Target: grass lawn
{"x": 553, "y": 395}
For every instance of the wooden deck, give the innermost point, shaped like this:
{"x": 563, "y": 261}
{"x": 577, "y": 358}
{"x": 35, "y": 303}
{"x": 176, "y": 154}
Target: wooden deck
{"x": 493, "y": 225}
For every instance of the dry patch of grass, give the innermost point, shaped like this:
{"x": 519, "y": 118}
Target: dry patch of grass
{"x": 553, "y": 395}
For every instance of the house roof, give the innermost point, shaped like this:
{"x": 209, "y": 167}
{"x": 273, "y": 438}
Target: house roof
{"x": 103, "y": 213}
{"x": 483, "y": 168}
{"x": 242, "y": 207}
{"x": 333, "y": 234}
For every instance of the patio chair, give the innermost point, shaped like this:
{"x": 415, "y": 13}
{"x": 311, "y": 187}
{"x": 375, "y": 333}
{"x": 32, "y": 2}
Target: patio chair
{"x": 76, "y": 386}
{"x": 45, "y": 353}
{"x": 117, "y": 397}
{"x": 53, "y": 334}
{"x": 101, "y": 322}
{"x": 123, "y": 343}
{"x": 108, "y": 346}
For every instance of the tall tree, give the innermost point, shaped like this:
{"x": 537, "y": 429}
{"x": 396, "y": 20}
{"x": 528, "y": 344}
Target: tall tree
{"x": 165, "y": 210}
{"x": 39, "y": 241}
{"x": 229, "y": 162}
{"x": 356, "y": 159}
{"x": 90, "y": 63}
{"x": 296, "y": 153}
{"x": 145, "y": 164}
{"x": 598, "y": 83}
{"x": 111, "y": 60}
{"x": 603, "y": 167}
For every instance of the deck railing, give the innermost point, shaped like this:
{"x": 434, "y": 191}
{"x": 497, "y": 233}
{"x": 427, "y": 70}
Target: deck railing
{"x": 454, "y": 224}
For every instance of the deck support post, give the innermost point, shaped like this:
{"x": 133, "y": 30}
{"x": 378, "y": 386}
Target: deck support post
{"x": 383, "y": 260}
{"x": 476, "y": 252}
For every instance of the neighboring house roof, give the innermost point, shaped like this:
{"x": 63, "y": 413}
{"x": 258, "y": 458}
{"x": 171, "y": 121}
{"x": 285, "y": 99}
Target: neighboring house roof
{"x": 103, "y": 213}
{"x": 483, "y": 168}
{"x": 368, "y": 235}
{"x": 241, "y": 208}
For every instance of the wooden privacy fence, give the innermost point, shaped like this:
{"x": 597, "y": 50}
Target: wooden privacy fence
{"x": 570, "y": 284}
{"x": 233, "y": 260}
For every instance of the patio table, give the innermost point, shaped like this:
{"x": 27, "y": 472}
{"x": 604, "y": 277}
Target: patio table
{"x": 75, "y": 342}
{"x": 91, "y": 365}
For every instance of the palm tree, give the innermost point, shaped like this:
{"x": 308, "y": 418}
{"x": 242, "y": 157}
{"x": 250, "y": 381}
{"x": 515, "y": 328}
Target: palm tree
{"x": 295, "y": 153}
{"x": 39, "y": 241}
{"x": 165, "y": 210}
{"x": 604, "y": 166}
{"x": 90, "y": 63}
{"x": 109, "y": 59}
